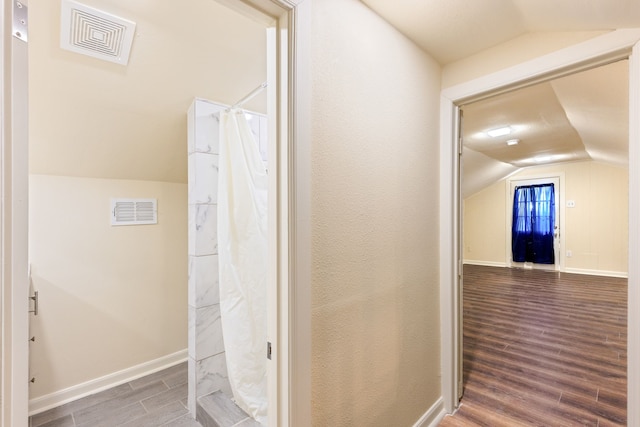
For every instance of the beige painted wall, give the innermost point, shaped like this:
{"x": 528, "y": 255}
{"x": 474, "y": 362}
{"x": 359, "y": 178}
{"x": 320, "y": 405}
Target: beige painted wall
{"x": 596, "y": 230}
{"x": 110, "y": 297}
{"x": 484, "y": 225}
{"x": 113, "y": 298}
{"x": 513, "y": 52}
{"x": 375, "y": 291}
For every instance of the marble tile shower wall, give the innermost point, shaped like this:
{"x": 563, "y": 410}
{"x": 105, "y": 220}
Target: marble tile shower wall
{"x": 207, "y": 368}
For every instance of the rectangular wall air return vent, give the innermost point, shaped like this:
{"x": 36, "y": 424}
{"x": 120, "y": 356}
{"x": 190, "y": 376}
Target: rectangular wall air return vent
{"x": 134, "y": 211}
{"x": 98, "y": 34}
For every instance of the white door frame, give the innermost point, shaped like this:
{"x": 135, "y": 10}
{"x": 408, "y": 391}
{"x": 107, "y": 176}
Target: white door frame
{"x": 558, "y": 180}
{"x": 612, "y": 46}
{"x": 14, "y": 211}
{"x": 292, "y": 278}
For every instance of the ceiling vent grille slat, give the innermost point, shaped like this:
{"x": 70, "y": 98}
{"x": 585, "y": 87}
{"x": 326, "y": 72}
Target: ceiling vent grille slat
{"x": 95, "y": 33}
{"x": 134, "y": 211}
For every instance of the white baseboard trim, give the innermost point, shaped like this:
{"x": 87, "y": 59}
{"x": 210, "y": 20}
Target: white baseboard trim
{"x": 433, "y": 416}
{"x": 485, "y": 263}
{"x": 60, "y": 397}
{"x": 605, "y": 273}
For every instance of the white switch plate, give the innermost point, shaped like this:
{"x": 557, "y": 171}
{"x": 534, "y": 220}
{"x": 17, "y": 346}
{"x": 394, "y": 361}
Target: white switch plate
{"x": 571, "y": 203}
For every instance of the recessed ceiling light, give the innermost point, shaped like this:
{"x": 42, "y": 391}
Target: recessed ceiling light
{"x": 499, "y": 131}
{"x": 513, "y": 142}
{"x": 541, "y": 159}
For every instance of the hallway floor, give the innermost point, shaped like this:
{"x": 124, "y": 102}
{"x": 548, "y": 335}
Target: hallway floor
{"x": 543, "y": 349}
{"x": 159, "y": 399}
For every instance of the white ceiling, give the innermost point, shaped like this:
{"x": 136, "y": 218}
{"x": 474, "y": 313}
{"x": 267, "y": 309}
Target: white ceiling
{"x": 583, "y": 116}
{"x": 454, "y": 29}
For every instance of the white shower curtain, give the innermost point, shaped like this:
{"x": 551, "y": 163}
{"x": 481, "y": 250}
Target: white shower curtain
{"x": 242, "y": 252}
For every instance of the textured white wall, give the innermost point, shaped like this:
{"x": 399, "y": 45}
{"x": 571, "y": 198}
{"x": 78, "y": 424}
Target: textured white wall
{"x": 110, "y": 297}
{"x": 375, "y": 296}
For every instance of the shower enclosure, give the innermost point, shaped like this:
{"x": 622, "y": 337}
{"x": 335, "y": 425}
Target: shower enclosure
{"x": 208, "y": 370}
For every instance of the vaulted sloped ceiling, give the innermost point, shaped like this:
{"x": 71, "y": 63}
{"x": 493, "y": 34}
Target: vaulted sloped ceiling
{"x": 579, "y": 117}
{"x": 454, "y": 29}
{"x": 97, "y": 119}
{"x": 537, "y": 120}
{"x": 596, "y": 103}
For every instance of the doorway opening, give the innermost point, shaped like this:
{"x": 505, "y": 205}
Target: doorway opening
{"x": 536, "y": 214}
{"x": 100, "y": 131}
{"x": 279, "y": 18}
{"x": 293, "y": 351}
{"x": 587, "y": 55}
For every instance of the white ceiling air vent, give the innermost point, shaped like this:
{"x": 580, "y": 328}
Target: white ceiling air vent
{"x": 98, "y": 34}
{"x": 134, "y": 211}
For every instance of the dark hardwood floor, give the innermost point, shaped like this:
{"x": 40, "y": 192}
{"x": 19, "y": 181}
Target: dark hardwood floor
{"x": 543, "y": 349}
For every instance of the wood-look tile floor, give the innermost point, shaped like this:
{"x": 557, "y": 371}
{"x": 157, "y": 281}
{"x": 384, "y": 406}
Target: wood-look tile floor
{"x": 542, "y": 349}
{"x": 159, "y": 399}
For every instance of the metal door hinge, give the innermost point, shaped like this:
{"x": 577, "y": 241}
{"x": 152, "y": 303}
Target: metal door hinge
{"x": 268, "y": 350}
{"x": 20, "y": 21}
{"x": 34, "y": 298}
